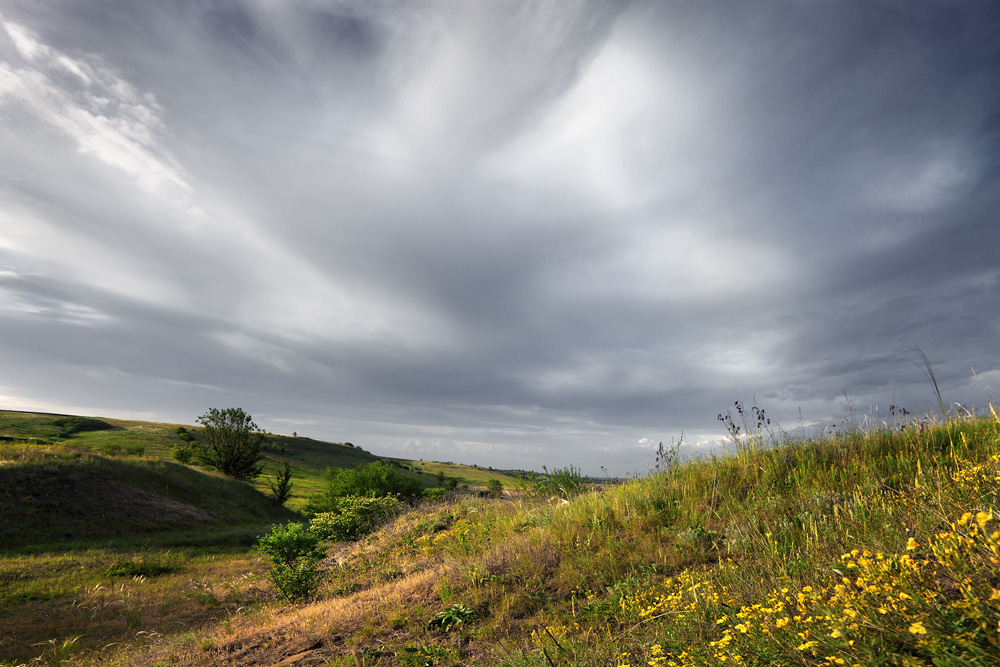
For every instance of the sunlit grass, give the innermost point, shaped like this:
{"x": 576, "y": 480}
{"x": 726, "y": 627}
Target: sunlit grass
{"x": 874, "y": 546}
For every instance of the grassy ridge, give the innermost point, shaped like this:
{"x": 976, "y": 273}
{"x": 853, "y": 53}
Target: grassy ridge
{"x": 864, "y": 548}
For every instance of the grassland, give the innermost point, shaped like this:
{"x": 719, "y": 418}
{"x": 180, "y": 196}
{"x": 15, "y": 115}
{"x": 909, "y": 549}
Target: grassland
{"x": 875, "y": 546}
{"x": 472, "y": 476}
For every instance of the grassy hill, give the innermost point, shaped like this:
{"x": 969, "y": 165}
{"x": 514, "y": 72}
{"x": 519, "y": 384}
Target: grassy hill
{"x": 97, "y": 513}
{"x": 864, "y": 548}
{"x": 870, "y": 547}
{"x": 308, "y": 458}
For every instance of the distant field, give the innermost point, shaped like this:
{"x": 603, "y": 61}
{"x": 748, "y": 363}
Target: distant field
{"x": 471, "y": 475}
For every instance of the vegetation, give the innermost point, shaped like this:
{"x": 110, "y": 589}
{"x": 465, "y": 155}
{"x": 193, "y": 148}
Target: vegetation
{"x": 234, "y": 445}
{"x": 873, "y": 545}
{"x": 281, "y": 486}
{"x": 355, "y": 516}
{"x": 375, "y": 480}
{"x": 295, "y": 556}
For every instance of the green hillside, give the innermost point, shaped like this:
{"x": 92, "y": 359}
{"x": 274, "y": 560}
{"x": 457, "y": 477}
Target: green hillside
{"x": 873, "y": 547}
{"x": 60, "y": 496}
{"x": 308, "y": 458}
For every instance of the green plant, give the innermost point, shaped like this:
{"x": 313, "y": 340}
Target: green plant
{"x": 561, "y": 482}
{"x": 281, "y": 486}
{"x": 295, "y": 555}
{"x": 494, "y": 487}
{"x": 434, "y": 494}
{"x": 374, "y": 480}
{"x": 424, "y": 656}
{"x": 355, "y": 516}
{"x": 234, "y": 444}
{"x": 182, "y": 453}
{"x": 451, "y": 617}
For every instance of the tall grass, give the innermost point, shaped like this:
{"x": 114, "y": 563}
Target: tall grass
{"x": 877, "y": 545}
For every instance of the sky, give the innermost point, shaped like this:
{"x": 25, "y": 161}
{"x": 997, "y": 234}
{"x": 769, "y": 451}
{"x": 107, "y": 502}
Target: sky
{"x": 514, "y": 234}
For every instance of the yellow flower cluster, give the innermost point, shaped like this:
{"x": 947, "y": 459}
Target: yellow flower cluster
{"x": 429, "y": 544}
{"x": 933, "y": 598}
{"x": 979, "y": 480}
{"x": 688, "y": 593}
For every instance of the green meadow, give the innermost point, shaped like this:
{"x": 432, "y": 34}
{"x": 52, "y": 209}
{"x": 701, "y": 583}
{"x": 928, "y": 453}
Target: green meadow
{"x": 877, "y": 545}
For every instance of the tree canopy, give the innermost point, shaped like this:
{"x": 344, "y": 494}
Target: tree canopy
{"x": 234, "y": 445}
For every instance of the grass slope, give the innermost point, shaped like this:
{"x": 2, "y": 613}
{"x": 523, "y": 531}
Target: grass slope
{"x": 865, "y": 548}
{"x": 308, "y": 458}
{"x": 55, "y": 496}
{"x": 106, "y": 540}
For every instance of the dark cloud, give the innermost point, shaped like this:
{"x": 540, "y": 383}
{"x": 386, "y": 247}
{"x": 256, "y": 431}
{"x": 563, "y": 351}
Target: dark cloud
{"x": 512, "y": 234}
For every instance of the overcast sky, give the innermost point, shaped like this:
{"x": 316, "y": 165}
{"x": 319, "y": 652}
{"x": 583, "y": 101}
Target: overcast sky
{"x": 507, "y": 233}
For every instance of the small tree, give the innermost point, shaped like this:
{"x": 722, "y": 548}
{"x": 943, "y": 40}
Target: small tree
{"x": 281, "y": 486}
{"x": 234, "y": 445}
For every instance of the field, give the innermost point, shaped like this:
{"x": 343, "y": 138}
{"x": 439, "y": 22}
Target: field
{"x": 877, "y": 545}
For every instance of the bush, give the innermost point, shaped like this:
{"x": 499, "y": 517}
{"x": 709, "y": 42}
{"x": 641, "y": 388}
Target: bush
{"x": 375, "y": 480}
{"x": 435, "y": 494}
{"x": 234, "y": 444}
{"x": 494, "y": 487}
{"x": 295, "y": 555}
{"x": 355, "y": 517}
{"x": 182, "y": 453}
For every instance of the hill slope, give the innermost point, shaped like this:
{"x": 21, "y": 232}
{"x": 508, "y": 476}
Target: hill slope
{"x": 57, "y": 496}
{"x": 874, "y": 547}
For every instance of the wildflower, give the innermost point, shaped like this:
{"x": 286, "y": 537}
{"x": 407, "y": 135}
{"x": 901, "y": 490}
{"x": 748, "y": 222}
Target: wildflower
{"x": 911, "y": 544}
{"x": 918, "y": 628}
{"x": 982, "y": 518}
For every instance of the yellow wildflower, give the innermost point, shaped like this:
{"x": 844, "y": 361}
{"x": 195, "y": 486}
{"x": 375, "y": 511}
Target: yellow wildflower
{"x": 918, "y": 628}
{"x": 911, "y": 544}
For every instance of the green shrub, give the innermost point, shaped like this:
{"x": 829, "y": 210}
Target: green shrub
{"x": 494, "y": 487}
{"x": 295, "y": 555}
{"x": 355, "y": 517}
{"x": 435, "y": 494}
{"x": 375, "y": 480}
{"x": 182, "y": 453}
